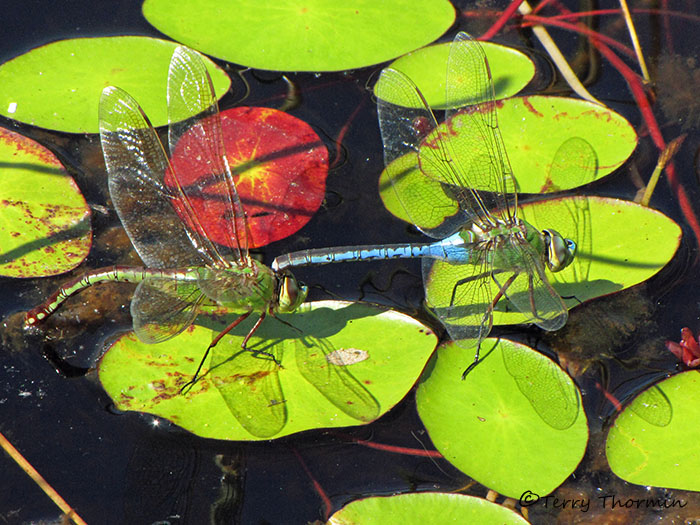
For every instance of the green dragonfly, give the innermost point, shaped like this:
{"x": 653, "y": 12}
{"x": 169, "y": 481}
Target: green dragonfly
{"x": 171, "y": 218}
{"x": 499, "y": 255}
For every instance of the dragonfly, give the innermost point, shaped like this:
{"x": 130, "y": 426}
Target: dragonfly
{"x": 499, "y": 256}
{"x": 169, "y": 221}
{"x": 172, "y": 219}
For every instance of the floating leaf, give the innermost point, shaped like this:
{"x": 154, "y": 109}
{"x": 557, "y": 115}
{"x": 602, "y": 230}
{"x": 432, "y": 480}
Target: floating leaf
{"x": 521, "y": 425}
{"x": 58, "y": 86}
{"x": 511, "y": 69}
{"x": 44, "y": 219}
{"x": 255, "y": 398}
{"x": 422, "y": 508}
{"x": 611, "y": 256}
{"x": 654, "y": 440}
{"x": 534, "y": 129}
{"x": 314, "y": 35}
{"x": 280, "y": 166}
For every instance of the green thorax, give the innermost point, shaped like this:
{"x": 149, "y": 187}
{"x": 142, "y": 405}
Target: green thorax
{"x": 251, "y": 287}
{"x": 497, "y": 241}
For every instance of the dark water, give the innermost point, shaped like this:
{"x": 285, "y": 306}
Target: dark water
{"x": 130, "y": 469}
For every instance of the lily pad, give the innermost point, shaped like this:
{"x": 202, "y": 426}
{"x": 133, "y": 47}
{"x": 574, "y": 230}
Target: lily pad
{"x": 315, "y": 35}
{"x": 611, "y": 256}
{"x": 44, "y": 219}
{"x": 381, "y": 352}
{"x": 280, "y": 166}
{"x": 511, "y": 69}
{"x": 422, "y": 508}
{"x": 548, "y": 140}
{"x": 521, "y": 425}
{"x": 58, "y": 86}
{"x": 535, "y": 127}
{"x": 654, "y": 440}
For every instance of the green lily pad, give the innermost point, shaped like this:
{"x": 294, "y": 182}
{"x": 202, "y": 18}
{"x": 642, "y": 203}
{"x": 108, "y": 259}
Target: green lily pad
{"x": 342, "y": 364}
{"x": 58, "y": 86}
{"x": 654, "y": 440}
{"x": 512, "y": 71}
{"x": 611, "y": 256}
{"x": 521, "y": 425}
{"x": 314, "y": 35}
{"x": 545, "y": 149}
{"x": 44, "y": 219}
{"x": 422, "y": 508}
{"x": 534, "y": 128}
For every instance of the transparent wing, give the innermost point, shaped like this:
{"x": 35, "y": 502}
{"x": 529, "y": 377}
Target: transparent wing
{"x": 251, "y": 387}
{"x": 472, "y": 137}
{"x": 211, "y": 203}
{"x": 333, "y": 379}
{"x": 403, "y": 128}
{"x": 162, "y": 308}
{"x": 136, "y": 163}
{"x": 461, "y": 295}
{"x": 553, "y": 396}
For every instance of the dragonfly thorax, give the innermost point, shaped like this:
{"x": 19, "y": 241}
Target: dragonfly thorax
{"x": 250, "y": 287}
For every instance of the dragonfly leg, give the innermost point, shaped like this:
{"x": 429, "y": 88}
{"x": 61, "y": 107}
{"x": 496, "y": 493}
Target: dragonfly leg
{"x": 187, "y": 386}
{"x": 244, "y": 344}
{"x": 487, "y": 314}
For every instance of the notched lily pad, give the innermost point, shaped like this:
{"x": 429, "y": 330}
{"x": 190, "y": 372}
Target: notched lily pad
{"x": 241, "y": 396}
{"x": 511, "y": 69}
{"x": 279, "y": 164}
{"x": 314, "y": 35}
{"x": 654, "y": 440}
{"x": 611, "y": 256}
{"x": 44, "y": 219}
{"x": 58, "y": 86}
{"x": 422, "y": 508}
{"x": 521, "y": 425}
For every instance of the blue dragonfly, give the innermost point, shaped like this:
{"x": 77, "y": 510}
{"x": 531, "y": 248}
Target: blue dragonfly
{"x": 501, "y": 257}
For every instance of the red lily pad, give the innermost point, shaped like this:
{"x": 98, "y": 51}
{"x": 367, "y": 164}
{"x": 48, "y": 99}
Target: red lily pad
{"x": 279, "y": 166}
{"x": 44, "y": 219}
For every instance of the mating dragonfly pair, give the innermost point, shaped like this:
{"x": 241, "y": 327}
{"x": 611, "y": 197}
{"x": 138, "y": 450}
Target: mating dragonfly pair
{"x": 503, "y": 257}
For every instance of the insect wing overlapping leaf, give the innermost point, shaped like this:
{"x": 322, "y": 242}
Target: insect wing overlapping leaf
{"x": 193, "y": 113}
{"x": 162, "y": 307}
{"x": 461, "y": 294}
{"x": 472, "y": 138}
{"x": 403, "y": 129}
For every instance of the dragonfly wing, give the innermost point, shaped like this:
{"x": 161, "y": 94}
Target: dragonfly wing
{"x": 403, "y": 128}
{"x": 461, "y": 295}
{"x": 136, "y": 163}
{"x": 210, "y": 202}
{"x": 553, "y": 396}
{"x": 471, "y": 137}
{"x": 526, "y": 286}
{"x": 334, "y": 380}
{"x": 251, "y": 387}
{"x": 162, "y": 308}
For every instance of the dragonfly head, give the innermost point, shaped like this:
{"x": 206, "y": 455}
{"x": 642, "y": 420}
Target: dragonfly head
{"x": 291, "y": 293}
{"x": 560, "y": 251}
